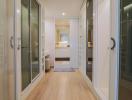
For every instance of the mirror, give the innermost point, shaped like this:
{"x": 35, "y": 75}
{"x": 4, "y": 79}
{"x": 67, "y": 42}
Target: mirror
{"x": 62, "y": 33}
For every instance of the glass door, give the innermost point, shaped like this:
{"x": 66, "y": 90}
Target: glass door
{"x": 25, "y": 43}
{"x": 34, "y": 38}
{"x": 29, "y": 41}
{"x": 125, "y": 79}
{"x": 89, "y": 38}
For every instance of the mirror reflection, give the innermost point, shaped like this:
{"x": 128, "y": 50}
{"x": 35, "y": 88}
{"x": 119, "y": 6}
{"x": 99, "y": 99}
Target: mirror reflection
{"x": 89, "y": 51}
{"x": 125, "y": 82}
{"x": 62, "y": 33}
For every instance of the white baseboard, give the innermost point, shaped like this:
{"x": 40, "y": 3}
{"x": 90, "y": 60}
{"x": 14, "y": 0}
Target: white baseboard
{"x": 89, "y": 83}
{"x": 102, "y": 94}
{"x": 28, "y": 90}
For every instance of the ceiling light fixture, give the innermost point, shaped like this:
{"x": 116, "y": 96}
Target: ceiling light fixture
{"x": 63, "y": 14}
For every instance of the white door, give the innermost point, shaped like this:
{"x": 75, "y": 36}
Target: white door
{"x": 7, "y": 67}
{"x": 114, "y": 53}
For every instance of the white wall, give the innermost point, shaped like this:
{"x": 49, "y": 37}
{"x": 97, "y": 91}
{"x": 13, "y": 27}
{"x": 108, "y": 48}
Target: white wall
{"x": 62, "y": 52}
{"x": 101, "y": 51}
{"x": 82, "y": 40}
{"x": 74, "y": 37}
{"x": 50, "y": 38}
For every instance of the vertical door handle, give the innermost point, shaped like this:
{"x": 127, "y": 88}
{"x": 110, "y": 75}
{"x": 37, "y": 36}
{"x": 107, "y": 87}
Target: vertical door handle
{"x": 114, "y": 43}
{"x": 19, "y": 44}
{"x": 12, "y": 42}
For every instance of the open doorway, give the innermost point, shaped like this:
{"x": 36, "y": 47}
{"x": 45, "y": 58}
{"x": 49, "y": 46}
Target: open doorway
{"x": 89, "y": 38}
{"x": 62, "y": 43}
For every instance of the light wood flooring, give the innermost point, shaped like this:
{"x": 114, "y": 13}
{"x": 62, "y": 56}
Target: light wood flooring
{"x": 62, "y": 86}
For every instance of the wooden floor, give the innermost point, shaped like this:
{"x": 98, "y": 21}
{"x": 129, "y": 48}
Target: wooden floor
{"x": 62, "y": 86}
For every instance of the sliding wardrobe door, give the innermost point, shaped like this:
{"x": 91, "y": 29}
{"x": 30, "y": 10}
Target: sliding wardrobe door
{"x": 25, "y": 43}
{"x": 125, "y": 83}
{"x": 34, "y": 38}
{"x": 7, "y": 49}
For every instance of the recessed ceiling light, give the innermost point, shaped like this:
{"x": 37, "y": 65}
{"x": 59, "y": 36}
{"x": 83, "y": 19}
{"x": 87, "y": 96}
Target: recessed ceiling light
{"x": 63, "y": 13}
{"x": 18, "y": 11}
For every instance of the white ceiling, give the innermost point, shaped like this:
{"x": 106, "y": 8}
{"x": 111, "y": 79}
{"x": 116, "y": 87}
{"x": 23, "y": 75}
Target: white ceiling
{"x": 55, "y": 8}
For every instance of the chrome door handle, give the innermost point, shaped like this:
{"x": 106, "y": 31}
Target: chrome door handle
{"x": 12, "y": 42}
{"x": 19, "y": 44}
{"x": 114, "y": 43}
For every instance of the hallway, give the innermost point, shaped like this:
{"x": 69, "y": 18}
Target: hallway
{"x": 62, "y": 86}
{"x": 65, "y": 49}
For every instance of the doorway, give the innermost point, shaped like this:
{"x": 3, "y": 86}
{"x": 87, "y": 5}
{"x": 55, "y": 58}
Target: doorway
{"x": 125, "y": 64}
{"x": 29, "y": 41}
{"x": 62, "y": 43}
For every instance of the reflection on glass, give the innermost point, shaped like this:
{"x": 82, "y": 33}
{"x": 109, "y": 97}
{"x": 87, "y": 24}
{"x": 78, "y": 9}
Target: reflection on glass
{"x": 25, "y": 44}
{"x": 125, "y": 84}
{"x": 35, "y": 38}
{"x": 89, "y": 38}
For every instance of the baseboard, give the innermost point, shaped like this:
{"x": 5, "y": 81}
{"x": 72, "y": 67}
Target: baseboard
{"x": 102, "y": 96}
{"x": 89, "y": 83}
{"x": 28, "y": 90}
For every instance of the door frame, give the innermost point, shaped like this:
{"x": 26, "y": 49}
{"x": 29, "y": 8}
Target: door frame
{"x": 114, "y": 54}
